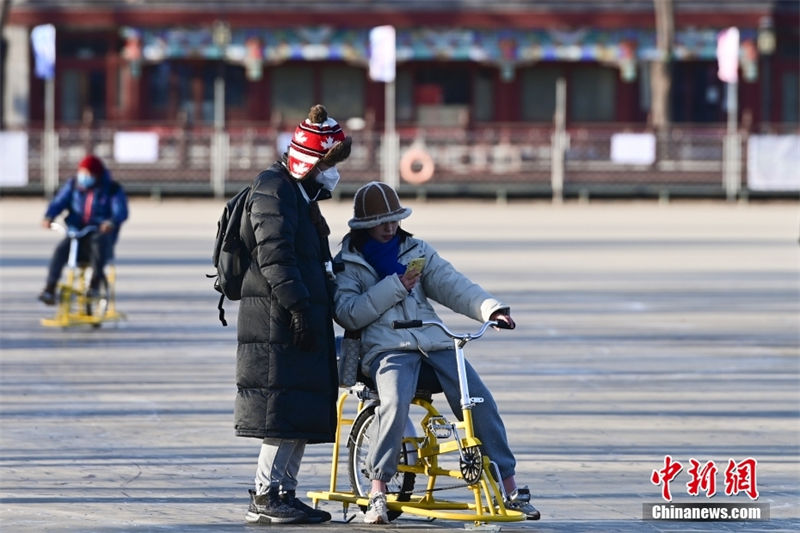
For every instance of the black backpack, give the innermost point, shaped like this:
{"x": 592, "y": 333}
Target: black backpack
{"x": 231, "y": 254}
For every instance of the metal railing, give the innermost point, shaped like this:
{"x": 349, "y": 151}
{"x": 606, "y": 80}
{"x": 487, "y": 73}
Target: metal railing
{"x": 500, "y": 160}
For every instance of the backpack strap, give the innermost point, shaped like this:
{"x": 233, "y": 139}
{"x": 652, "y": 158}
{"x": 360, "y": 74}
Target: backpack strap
{"x": 245, "y": 227}
{"x": 222, "y": 297}
{"x": 221, "y": 310}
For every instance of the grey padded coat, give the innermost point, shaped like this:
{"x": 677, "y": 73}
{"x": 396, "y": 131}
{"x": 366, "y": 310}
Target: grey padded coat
{"x": 369, "y": 304}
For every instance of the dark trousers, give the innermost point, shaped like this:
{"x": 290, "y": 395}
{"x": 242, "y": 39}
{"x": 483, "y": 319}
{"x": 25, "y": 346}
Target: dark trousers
{"x": 95, "y": 249}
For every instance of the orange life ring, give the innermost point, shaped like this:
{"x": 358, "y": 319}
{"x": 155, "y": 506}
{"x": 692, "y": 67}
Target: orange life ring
{"x": 419, "y": 157}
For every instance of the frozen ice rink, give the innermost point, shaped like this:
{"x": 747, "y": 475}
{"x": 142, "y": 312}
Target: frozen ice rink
{"x": 644, "y": 330}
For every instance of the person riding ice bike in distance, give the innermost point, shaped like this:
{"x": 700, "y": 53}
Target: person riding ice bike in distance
{"x": 90, "y": 198}
{"x": 380, "y": 284}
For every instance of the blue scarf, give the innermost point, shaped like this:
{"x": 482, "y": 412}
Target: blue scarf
{"x": 383, "y": 256}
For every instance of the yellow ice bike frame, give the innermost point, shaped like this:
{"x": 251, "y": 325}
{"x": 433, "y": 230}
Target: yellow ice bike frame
{"x": 441, "y": 442}
{"x": 74, "y": 305}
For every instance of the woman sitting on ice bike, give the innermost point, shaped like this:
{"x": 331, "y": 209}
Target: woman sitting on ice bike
{"x": 377, "y": 287}
{"x": 91, "y": 198}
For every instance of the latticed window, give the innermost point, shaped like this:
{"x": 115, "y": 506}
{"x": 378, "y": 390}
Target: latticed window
{"x": 592, "y": 94}
{"x": 343, "y": 91}
{"x": 295, "y": 88}
{"x": 539, "y": 93}
{"x": 292, "y": 91}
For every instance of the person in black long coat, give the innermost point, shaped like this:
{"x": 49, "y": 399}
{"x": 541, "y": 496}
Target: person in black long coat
{"x": 286, "y": 359}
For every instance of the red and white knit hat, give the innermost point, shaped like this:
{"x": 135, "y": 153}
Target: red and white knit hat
{"x": 319, "y": 137}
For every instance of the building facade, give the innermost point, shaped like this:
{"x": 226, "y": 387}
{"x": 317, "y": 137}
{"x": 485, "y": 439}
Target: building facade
{"x": 464, "y": 68}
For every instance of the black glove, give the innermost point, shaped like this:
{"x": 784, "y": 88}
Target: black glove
{"x": 302, "y": 335}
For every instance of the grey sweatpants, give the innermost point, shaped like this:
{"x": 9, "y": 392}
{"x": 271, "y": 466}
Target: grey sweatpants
{"x": 278, "y": 464}
{"x": 395, "y": 375}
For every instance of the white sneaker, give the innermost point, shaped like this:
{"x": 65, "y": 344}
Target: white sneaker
{"x": 377, "y": 510}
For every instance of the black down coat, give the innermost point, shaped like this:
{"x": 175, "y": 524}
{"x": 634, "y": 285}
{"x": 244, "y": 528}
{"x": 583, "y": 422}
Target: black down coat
{"x": 283, "y": 392}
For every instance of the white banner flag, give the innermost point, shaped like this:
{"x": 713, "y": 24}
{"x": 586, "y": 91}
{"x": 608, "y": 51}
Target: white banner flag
{"x": 43, "y": 41}
{"x": 382, "y": 56}
{"x": 728, "y": 55}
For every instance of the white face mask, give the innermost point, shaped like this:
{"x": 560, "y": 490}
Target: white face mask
{"x": 328, "y": 178}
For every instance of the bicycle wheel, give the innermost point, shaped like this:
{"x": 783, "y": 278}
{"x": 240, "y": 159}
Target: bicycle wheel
{"x": 401, "y": 484}
{"x": 97, "y": 304}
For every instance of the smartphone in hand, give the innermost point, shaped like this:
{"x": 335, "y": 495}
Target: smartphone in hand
{"x": 415, "y": 265}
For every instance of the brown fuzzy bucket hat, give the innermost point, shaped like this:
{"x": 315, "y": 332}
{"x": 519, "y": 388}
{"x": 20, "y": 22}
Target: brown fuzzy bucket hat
{"x": 374, "y": 204}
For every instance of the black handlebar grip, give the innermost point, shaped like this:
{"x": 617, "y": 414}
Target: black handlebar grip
{"x": 405, "y": 324}
{"x": 502, "y": 324}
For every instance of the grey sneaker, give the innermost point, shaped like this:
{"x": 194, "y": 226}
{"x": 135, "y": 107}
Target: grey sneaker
{"x": 269, "y": 509}
{"x": 520, "y": 500}
{"x": 377, "y": 510}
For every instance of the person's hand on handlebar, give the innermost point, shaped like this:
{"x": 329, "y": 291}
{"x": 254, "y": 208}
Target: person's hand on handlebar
{"x": 503, "y": 317}
{"x": 106, "y": 226}
{"x": 46, "y": 223}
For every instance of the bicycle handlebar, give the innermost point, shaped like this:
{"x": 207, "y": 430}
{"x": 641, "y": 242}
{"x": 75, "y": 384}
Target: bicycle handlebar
{"x": 407, "y": 324}
{"x": 72, "y": 233}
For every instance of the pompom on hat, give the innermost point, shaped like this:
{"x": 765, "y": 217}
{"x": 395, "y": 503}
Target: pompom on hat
{"x": 317, "y": 138}
{"x": 374, "y": 204}
{"x": 93, "y": 165}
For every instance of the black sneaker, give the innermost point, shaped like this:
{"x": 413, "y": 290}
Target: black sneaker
{"x": 269, "y": 509}
{"x": 48, "y": 296}
{"x": 315, "y": 516}
{"x": 520, "y": 500}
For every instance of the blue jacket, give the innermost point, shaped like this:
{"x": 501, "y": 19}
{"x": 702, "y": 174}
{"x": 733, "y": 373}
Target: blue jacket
{"x": 109, "y": 203}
